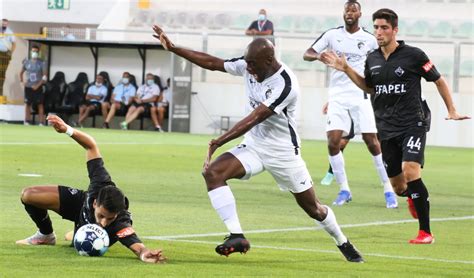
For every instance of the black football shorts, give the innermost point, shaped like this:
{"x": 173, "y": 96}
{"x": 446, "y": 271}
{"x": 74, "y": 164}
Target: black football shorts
{"x": 71, "y": 201}
{"x": 409, "y": 146}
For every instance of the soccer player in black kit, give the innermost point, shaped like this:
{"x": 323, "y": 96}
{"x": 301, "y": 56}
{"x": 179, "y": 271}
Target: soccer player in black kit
{"x": 392, "y": 74}
{"x": 103, "y": 203}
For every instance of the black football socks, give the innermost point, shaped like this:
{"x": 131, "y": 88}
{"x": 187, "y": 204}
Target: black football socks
{"x": 41, "y": 219}
{"x": 419, "y": 194}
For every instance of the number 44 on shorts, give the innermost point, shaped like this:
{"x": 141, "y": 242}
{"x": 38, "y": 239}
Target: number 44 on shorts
{"x": 414, "y": 144}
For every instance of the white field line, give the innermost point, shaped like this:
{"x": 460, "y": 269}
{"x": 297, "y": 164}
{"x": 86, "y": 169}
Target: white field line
{"x": 377, "y": 223}
{"x": 334, "y": 252}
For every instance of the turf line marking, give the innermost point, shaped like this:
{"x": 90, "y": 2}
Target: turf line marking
{"x": 377, "y": 223}
{"x": 333, "y": 252}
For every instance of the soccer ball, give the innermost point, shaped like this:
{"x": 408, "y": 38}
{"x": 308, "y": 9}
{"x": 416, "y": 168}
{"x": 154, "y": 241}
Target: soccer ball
{"x": 91, "y": 240}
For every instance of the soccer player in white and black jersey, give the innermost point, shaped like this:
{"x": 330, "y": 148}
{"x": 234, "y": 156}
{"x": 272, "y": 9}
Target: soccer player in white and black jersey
{"x": 393, "y": 73}
{"x": 102, "y": 204}
{"x": 347, "y": 103}
{"x": 271, "y": 142}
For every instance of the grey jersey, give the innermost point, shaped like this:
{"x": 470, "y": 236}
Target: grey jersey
{"x": 35, "y": 69}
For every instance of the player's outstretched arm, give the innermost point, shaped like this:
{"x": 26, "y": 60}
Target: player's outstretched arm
{"x": 85, "y": 140}
{"x": 257, "y": 116}
{"x": 201, "y": 59}
{"x": 146, "y": 255}
{"x": 445, "y": 93}
{"x": 311, "y": 55}
{"x": 331, "y": 59}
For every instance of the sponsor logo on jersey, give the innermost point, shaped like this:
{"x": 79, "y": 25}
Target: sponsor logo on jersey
{"x": 73, "y": 191}
{"x": 125, "y": 232}
{"x": 399, "y": 71}
{"x": 428, "y": 66}
{"x": 390, "y": 89}
{"x": 375, "y": 67}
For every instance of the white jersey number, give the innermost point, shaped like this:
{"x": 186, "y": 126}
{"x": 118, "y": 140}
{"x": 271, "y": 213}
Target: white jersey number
{"x": 414, "y": 144}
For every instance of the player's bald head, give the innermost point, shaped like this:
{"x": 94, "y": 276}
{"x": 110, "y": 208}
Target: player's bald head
{"x": 261, "y": 48}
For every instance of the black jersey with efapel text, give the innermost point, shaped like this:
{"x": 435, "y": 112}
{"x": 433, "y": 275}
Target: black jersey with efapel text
{"x": 397, "y": 101}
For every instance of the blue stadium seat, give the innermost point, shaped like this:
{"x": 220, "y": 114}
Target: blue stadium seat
{"x": 442, "y": 29}
{"x": 445, "y": 67}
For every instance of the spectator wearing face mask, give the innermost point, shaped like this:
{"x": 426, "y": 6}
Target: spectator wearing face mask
{"x": 94, "y": 98}
{"x": 147, "y": 94}
{"x": 261, "y": 27}
{"x": 36, "y": 76}
{"x": 7, "y": 46}
{"x": 120, "y": 100}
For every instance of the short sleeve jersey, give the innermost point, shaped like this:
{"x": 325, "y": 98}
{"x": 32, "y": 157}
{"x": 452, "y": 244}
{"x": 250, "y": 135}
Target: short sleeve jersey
{"x": 35, "y": 69}
{"x": 145, "y": 91}
{"x": 6, "y": 40}
{"x": 355, "y": 47}
{"x": 280, "y": 93}
{"x": 121, "y": 228}
{"x": 398, "y": 101}
{"x": 95, "y": 90}
{"x": 123, "y": 93}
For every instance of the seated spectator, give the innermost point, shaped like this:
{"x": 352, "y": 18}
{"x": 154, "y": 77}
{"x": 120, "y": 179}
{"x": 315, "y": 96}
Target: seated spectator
{"x": 147, "y": 94}
{"x": 36, "y": 72}
{"x": 162, "y": 105}
{"x": 94, "y": 98}
{"x": 120, "y": 100}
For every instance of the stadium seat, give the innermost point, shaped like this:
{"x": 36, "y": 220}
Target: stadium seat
{"x": 220, "y": 21}
{"x": 418, "y": 29}
{"x": 442, "y": 29}
{"x": 402, "y": 28}
{"x": 242, "y": 22}
{"x": 467, "y": 68}
{"x": 307, "y": 25}
{"x": 199, "y": 20}
{"x": 331, "y": 22}
{"x": 179, "y": 20}
{"x": 162, "y": 18}
{"x": 464, "y": 31}
{"x": 284, "y": 24}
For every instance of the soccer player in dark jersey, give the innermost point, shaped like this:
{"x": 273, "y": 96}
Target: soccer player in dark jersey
{"x": 103, "y": 203}
{"x": 392, "y": 74}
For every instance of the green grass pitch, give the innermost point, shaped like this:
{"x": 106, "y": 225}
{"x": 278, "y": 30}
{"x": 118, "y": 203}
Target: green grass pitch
{"x": 161, "y": 175}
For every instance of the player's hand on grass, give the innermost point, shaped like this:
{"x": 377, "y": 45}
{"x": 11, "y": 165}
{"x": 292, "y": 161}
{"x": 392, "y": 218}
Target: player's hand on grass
{"x": 58, "y": 124}
{"x": 160, "y": 34}
{"x": 152, "y": 256}
{"x": 331, "y": 59}
{"x": 455, "y": 116}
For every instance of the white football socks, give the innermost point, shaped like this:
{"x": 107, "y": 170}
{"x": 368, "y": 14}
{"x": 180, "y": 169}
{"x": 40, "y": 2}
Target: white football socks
{"x": 223, "y": 202}
{"x": 332, "y": 228}
{"x": 378, "y": 162}
{"x": 339, "y": 171}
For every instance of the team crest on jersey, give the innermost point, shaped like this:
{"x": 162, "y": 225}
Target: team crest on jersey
{"x": 73, "y": 191}
{"x": 399, "y": 71}
{"x": 268, "y": 93}
{"x": 361, "y": 44}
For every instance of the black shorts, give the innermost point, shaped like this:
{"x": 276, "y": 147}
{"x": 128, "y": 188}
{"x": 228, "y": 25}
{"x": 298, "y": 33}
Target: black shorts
{"x": 146, "y": 106}
{"x": 34, "y": 97}
{"x": 98, "y": 105}
{"x": 71, "y": 201}
{"x": 409, "y": 146}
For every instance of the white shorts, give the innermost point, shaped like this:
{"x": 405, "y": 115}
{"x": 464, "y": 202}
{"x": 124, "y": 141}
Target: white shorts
{"x": 341, "y": 115}
{"x": 287, "y": 168}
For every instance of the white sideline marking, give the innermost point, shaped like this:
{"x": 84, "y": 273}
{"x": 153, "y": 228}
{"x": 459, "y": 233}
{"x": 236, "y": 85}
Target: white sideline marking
{"x": 30, "y": 175}
{"x": 333, "y": 252}
{"x": 377, "y": 223}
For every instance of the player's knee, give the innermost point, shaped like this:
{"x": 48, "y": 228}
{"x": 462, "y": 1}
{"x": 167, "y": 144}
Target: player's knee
{"x": 210, "y": 175}
{"x": 27, "y": 195}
